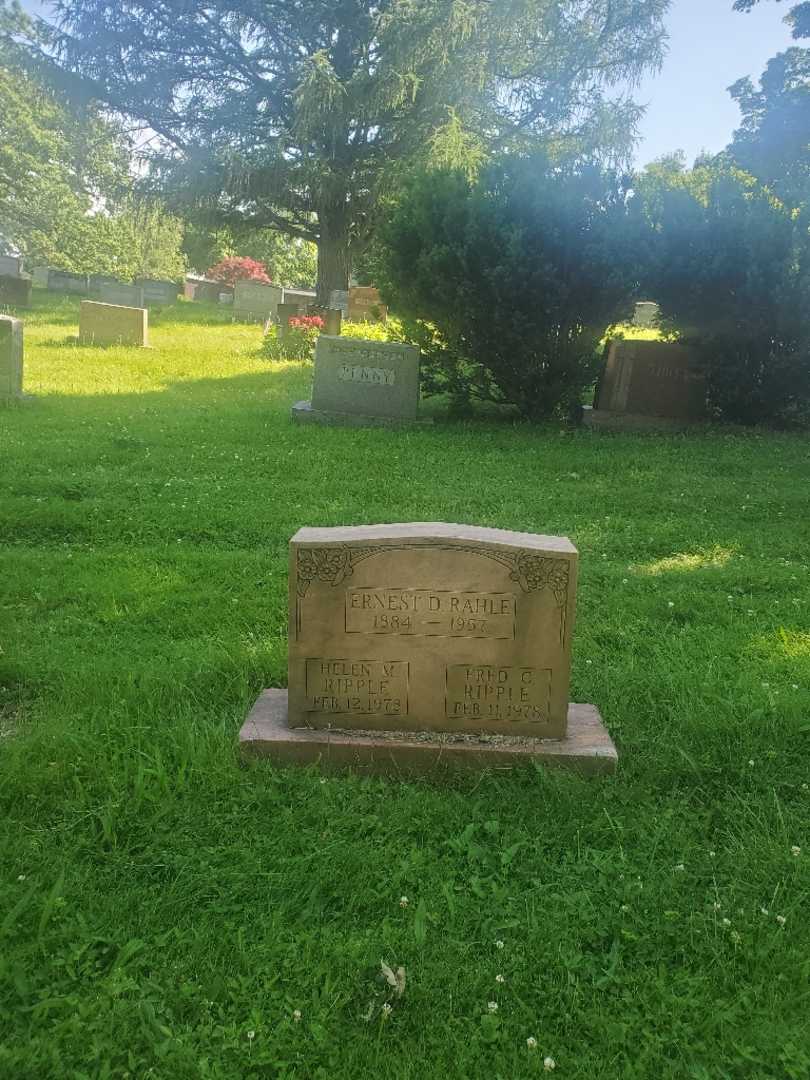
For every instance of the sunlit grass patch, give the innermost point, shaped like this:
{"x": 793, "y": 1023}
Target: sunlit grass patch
{"x": 713, "y": 558}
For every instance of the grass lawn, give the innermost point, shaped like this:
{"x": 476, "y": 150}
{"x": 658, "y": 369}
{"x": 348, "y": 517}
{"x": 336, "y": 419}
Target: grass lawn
{"x": 160, "y": 903}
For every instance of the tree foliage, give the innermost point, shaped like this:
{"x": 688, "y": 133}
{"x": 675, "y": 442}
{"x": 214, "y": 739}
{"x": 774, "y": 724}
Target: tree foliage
{"x": 234, "y": 269}
{"x": 773, "y": 140}
{"x": 302, "y": 116}
{"x": 730, "y": 268}
{"x": 518, "y": 275}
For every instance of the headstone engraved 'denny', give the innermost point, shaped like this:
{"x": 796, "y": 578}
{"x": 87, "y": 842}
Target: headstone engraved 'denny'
{"x": 362, "y": 382}
{"x": 458, "y": 633}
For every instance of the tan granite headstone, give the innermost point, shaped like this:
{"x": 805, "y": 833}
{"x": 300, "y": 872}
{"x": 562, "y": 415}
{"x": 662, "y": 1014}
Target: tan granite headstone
{"x": 431, "y": 627}
{"x": 256, "y": 302}
{"x": 112, "y": 324}
{"x": 365, "y": 304}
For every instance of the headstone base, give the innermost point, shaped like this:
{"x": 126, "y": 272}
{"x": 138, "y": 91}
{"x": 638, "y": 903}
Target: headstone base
{"x": 605, "y": 420}
{"x": 303, "y": 413}
{"x": 16, "y": 400}
{"x": 587, "y": 749}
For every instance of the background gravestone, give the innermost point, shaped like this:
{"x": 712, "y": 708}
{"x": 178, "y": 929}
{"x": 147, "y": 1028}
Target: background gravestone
{"x": 651, "y": 379}
{"x": 646, "y": 313}
{"x": 458, "y": 631}
{"x": 158, "y": 291}
{"x": 365, "y": 305}
{"x": 40, "y": 275}
{"x": 10, "y": 265}
{"x": 255, "y": 302}
{"x": 67, "y": 282}
{"x": 11, "y": 360}
{"x": 303, "y": 297}
{"x": 15, "y": 291}
{"x": 285, "y": 312}
{"x": 364, "y": 380}
{"x": 95, "y": 283}
{"x": 112, "y": 324}
{"x": 121, "y": 293}
{"x": 339, "y": 300}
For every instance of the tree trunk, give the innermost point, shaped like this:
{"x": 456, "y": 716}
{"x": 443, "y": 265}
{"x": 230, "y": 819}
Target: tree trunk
{"x": 334, "y": 258}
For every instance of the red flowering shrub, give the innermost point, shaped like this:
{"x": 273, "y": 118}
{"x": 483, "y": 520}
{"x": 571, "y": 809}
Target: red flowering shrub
{"x": 299, "y": 341}
{"x": 229, "y": 271}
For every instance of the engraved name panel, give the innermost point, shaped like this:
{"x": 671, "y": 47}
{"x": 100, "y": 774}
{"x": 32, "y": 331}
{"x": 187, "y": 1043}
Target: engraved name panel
{"x": 431, "y": 613}
{"x": 373, "y": 376}
{"x": 357, "y": 687}
{"x": 489, "y": 693}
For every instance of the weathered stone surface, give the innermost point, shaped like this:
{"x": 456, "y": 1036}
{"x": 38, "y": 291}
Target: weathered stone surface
{"x": 10, "y": 265}
{"x": 333, "y": 319}
{"x": 40, "y": 275}
{"x": 15, "y": 291}
{"x": 285, "y": 312}
{"x": 64, "y": 281}
{"x": 365, "y": 305}
{"x": 11, "y": 360}
{"x": 254, "y": 302}
{"x": 646, "y": 313}
{"x": 652, "y": 378}
{"x": 112, "y": 324}
{"x": 431, "y": 627}
{"x": 366, "y": 378}
{"x": 204, "y": 291}
{"x": 157, "y": 291}
{"x": 339, "y": 299}
{"x": 96, "y": 282}
{"x": 121, "y": 293}
{"x": 587, "y": 747}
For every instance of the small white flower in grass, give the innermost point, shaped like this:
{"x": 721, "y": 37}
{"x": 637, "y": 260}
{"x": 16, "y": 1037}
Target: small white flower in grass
{"x": 764, "y": 911}
{"x": 726, "y": 922}
{"x": 624, "y": 581}
{"x": 765, "y": 685}
{"x": 712, "y": 854}
{"x": 625, "y": 908}
{"x": 500, "y": 979}
{"x": 735, "y": 937}
{"x": 717, "y": 905}
{"x": 751, "y": 762}
{"x": 794, "y": 686}
{"x": 492, "y": 1006}
{"x": 403, "y": 901}
{"x": 297, "y": 1016}
{"x": 795, "y": 851}
{"x": 781, "y": 920}
{"x": 21, "y": 877}
{"x": 251, "y": 1035}
{"x": 531, "y": 1042}
{"x": 549, "y": 1064}
{"x": 670, "y": 603}
{"x": 589, "y": 661}
{"x": 680, "y": 867}
{"x": 499, "y": 945}
{"x": 387, "y": 1009}
{"x": 750, "y": 612}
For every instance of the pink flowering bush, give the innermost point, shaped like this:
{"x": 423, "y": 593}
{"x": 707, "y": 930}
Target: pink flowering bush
{"x": 229, "y": 271}
{"x": 299, "y": 341}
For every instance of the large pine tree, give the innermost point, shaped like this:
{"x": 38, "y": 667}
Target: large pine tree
{"x": 300, "y": 114}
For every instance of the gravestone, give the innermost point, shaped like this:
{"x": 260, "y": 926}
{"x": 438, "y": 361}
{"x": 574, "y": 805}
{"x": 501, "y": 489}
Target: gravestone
{"x": 255, "y": 302}
{"x": 112, "y": 324}
{"x": 121, "y": 293}
{"x": 285, "y": 312}
{"x": 362, "y": 382}
{"x": 67, "y": 282}
{"x": 415, "y": 644}
{"x": 646, "y": 313}
{"x": 40, "y": 275}
{"x": 649, "y": 383}
{"x": 339, "y": 299}
{"x": 96, "y": 282}
{"x": 365, "y": 305}
{"x": 157, "y": 291}
{"x": 332, "y": 318}
{"x": 11, "y": 360}
{"x": 15, "y": 291}
{"x": 10, "y": 265}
